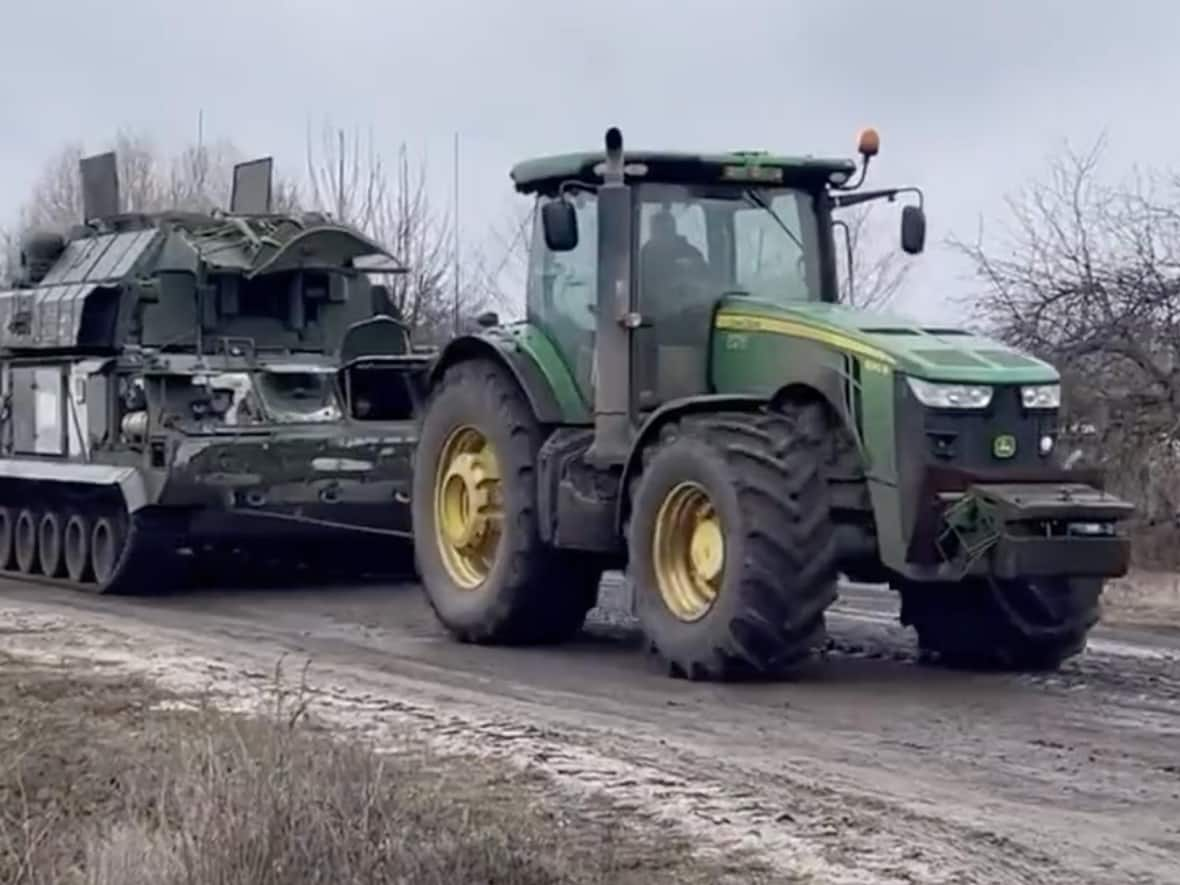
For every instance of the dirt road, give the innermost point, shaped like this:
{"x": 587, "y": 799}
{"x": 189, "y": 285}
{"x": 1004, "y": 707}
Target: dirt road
{"x": 870, "y": 767}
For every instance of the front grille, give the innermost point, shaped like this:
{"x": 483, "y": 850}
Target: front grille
{"x": 968, "y": 439}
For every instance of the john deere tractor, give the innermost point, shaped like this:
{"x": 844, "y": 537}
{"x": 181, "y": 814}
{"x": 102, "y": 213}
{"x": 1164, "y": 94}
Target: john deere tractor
{"x": 688, "y": 399}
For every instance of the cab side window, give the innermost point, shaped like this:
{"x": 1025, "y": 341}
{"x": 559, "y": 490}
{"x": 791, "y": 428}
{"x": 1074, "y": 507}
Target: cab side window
{"x": 563, "y": 287}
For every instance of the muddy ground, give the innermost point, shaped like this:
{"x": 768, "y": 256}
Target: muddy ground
{"x": 868, "y": 767}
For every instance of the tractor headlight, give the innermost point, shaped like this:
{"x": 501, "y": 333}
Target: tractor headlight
{"x": 950, "y": 396}
{"x": 1041, "y": 396}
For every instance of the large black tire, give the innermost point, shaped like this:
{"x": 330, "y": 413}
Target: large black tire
{"x": 778, "y": 575}
{"x": 530, "y": 593}
{"x": 1007, "y": 625}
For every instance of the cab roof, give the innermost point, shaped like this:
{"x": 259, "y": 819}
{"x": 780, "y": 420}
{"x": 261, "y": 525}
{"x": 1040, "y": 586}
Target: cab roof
{"x": 547, "y": 174}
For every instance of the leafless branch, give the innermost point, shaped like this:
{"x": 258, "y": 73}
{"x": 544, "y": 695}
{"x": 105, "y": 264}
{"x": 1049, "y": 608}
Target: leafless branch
{"x": 1087, "y": 275}
{"x": 397, "y": 210}
{"x": 197, "y": 178}
{"x": 879, "y": 268}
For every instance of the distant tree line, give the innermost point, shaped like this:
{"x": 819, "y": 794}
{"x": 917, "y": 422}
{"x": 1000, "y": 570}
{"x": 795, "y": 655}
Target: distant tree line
{"x": 346, "y": 177}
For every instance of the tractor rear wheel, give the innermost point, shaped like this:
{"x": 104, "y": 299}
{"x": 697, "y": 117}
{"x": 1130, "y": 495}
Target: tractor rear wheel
{"x": 732, "y": 554}
{"x": 487, "y": 575}
{"x": 1010, "y": 625}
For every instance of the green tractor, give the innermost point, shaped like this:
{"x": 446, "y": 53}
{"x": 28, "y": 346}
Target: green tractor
{"x": 688, "y": 400}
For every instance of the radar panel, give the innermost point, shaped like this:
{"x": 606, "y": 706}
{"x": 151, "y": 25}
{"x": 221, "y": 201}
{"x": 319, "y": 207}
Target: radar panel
{"x": 252, "y": 187}
{"x": 100, "y": 186}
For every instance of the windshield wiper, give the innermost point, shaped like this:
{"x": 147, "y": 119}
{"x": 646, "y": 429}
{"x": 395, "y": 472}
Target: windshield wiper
{"x": 757, "y": 200}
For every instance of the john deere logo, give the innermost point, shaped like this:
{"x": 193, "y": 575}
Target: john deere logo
{"x": 1004, "y": 445}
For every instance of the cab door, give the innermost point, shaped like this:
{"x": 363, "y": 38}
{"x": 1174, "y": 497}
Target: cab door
{"x": 677, "y": 289}
{"x": 562, "y": 292}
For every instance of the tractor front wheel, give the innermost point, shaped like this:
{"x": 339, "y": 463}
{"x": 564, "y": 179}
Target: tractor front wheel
{"x": 730, "y": 545}
{"x": 987, "y": 623}
{"x": 487, "y": 575}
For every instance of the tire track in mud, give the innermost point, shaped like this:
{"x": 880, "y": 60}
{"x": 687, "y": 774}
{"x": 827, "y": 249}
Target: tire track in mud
{"x": 867, "y": 769}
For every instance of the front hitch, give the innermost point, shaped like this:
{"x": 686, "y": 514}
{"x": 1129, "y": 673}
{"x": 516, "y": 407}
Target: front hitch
{"x": 1035, "y": 529}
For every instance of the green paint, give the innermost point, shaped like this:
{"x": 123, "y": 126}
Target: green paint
{"x": 761, "y": 348}
{"x": 936, "y": 354}
{"x": 877, "y": 427}
{"x": 530, "y": 341}
{"x": 765, "y": 362}
{"x": 806, "y": 343}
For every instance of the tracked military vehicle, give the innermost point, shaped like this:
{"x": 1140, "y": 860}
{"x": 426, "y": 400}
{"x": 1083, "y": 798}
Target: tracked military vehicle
{"x": 183, "y": 387}
{"x": 686, "y": 398}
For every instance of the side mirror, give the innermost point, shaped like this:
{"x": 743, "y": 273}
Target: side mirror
{"x": 560, "y": 223}
{"x": 913, "y": 229}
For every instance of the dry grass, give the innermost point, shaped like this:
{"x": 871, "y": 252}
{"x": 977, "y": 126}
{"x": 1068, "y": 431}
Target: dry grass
{"x": 102, "y": 785}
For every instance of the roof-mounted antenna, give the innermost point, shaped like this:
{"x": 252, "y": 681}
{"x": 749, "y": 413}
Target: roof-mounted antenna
{"x": 252, "y": 187}
{"x": 100, "y": 187}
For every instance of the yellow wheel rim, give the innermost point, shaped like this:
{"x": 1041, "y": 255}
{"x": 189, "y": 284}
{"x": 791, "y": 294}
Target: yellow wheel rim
{"x": 688, "y": 551}
{"x": 468, "y": 507}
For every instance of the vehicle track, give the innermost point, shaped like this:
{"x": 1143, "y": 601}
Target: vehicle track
{"x": 868, "y": 767}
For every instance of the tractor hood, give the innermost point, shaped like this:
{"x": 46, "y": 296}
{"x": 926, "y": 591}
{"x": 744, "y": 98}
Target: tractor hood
{"x": 936, "y": 354}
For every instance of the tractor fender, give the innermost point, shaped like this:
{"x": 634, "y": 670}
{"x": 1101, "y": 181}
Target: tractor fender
{"x": 670, "y": 411}
{"x": 520, "y": 364}
{"x": 710, "y": 402}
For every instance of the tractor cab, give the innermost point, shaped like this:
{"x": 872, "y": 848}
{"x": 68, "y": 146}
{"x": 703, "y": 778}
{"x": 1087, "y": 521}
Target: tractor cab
{"x": 690, "y": 232}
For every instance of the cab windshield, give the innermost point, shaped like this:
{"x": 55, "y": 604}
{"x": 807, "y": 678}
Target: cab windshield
{"x": 757, "y": 241}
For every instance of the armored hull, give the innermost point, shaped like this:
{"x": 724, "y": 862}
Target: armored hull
{"x": 178, "y": 397}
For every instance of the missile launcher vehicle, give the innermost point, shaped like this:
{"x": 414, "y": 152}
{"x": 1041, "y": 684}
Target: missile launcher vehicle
{"x": 178, "y": 389}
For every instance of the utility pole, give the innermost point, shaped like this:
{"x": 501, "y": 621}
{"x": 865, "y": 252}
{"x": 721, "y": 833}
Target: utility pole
{"x": 455, "y": 229}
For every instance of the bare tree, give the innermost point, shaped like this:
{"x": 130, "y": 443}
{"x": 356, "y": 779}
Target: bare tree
{"x": 347, "y": 177}
{"x": 198, "y": 178}
{"x": 354, "y": 184}
{"x": 1088, "y": 277}
{"x": 425, "y": 241}
{"x": 345, "y": 180}
{"x": 879, "y": 269}
{"x": 501, "y": 271}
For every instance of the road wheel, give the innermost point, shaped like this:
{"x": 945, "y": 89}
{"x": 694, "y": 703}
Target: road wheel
{"x": 76, "y": 548}
{"x": 731, "y": 548}
{"x": 1010, "y": 625}
{"x": 486, "y": 573}
{"x": 7, "y": 533}
{"x": 25, "y": 541}
{"x": 49, "y": 542}
{"x": 106, "y": 543}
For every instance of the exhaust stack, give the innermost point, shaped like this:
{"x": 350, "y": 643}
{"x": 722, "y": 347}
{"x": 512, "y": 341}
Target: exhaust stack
{"x": 614, "y": 406}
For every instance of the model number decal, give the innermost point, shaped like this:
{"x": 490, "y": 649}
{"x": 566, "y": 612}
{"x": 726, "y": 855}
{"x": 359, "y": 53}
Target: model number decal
{"x": 875, "y": 367}
{"x": 737, "y": 341}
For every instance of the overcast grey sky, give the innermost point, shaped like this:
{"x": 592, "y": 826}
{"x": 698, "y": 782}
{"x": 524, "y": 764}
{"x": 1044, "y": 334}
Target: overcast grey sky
{"x": 970, "y": 98}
